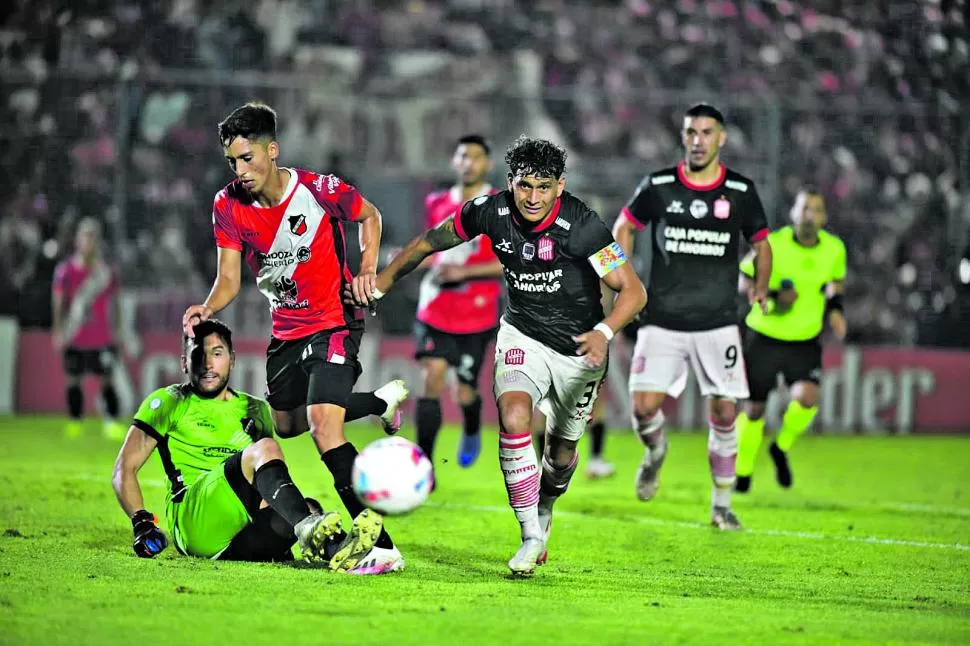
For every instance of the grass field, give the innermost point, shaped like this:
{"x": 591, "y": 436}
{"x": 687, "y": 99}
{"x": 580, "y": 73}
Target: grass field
{"x": 871, "y": 546}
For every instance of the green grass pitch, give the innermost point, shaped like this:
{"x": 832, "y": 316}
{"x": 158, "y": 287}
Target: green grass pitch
{"x": 871, "y": 546}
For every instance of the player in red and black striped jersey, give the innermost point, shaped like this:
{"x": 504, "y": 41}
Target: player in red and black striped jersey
{"x": 288, "y": 224}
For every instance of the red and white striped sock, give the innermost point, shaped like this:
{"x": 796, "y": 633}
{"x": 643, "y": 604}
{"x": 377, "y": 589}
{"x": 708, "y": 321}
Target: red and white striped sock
{"x": 722, "y": 454}
{"x": 521, "y": 470}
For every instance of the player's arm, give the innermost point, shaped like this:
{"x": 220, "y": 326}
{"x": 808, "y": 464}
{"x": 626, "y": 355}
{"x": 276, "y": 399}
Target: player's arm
{"x": 224, "y": 290}
{"x": 458, "y": 273}
{"x": 138, "y": 447}
{"x": 625, "y": 232}
{"x": 762, "y": 273}
{"x": 371, "y": 224}
{"x": 833, "y": 308}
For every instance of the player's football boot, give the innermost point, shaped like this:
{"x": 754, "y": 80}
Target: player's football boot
{"x": 312, "y": 533}
{"x": 782, "y": 470}
{"x": 379, "y": 560}
{"x": 723, "y": 518}
{"x": 73, "y": 430}
{"x": 359, "y": 543}
{"x": 468, "y": 449}
{"x": 742, "y": 484}
{"x": 598, "y": 468}
{"x": 545, "y": 523}
{"x": 525, "y": 560}
{"x": 114, "y": 430}
{"x": 393, "y": 393}
{"x": 648, "y": 474}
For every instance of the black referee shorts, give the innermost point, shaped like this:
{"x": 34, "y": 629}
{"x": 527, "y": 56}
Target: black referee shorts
{"x": 765, "y": 358}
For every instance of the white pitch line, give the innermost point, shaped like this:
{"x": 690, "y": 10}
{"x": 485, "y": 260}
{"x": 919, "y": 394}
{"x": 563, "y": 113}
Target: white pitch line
{"x": 649, "y": 520}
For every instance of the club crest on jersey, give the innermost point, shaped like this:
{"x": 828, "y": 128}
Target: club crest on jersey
{"x": 698, "y": 208}
{"x": 297, "y": 224}
{"x": 722, "y": 209}
{"x": 528, "y": 251}
{"x": 514, "y": 357}
{"x": 546, "y": 249}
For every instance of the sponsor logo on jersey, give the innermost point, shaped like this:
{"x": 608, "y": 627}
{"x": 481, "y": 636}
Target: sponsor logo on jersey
{"x": 696, "y": 242}
{"x": 514, "y": 357}
{"x": 283, "y": 258}
{"x": 287, "y": 293}
{"x": 546, "y": 282}
{"x": 562, "y": 223}
{"x": 546, "y": 248}
{"x": 503, "y": 210}
{"x": 675, "y": 207}
{"x": 528, "y": 251}
{"x": 218, "y": 451}
{"x": 722, "y": 209}
{"x": 661, "y": 179}
{"x": 297, "y": 224}
{"x": 303, "y": 254}
{"x": 736, "y": 185}
{"x": 607, "y": 259}
{"x": 480, "y": 200}
{"x": 698, "y": 208}
{"x": 505, "y": 246}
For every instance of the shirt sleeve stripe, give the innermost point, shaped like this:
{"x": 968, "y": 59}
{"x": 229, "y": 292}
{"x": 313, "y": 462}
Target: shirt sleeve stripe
{"x": 759, "y": 235}
{"x": 625, "y": 213}
{"x": 459, "y": 228}
{"x": 148, "y": 429}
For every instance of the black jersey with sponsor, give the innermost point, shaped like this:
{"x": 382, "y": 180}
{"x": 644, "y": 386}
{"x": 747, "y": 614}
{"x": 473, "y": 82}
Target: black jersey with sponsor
{"x": 696, "y": 245}
{"x": 552, "y": 268}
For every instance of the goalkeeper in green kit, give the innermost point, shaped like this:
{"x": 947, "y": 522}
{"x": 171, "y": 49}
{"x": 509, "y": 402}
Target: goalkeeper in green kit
{"x": 231, "y": 494}
{"x": 806, "y": 292}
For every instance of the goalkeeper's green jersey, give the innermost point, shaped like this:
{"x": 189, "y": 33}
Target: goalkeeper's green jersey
{"x": 810, "y": 269}
{"x": 195, "y": 435}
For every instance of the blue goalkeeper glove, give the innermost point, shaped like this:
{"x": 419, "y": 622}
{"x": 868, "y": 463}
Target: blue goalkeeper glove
{"x": 149, "y": 539}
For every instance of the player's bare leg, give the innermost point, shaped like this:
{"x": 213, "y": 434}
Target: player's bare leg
{"x": 722, "y": 453}
{"x": 521, "y": 471}
{"x": 797, "y": 419}
{"x": 471, "y": 438}
{"x": 558, "y": 466}
{"x": 648, "y": 422}
{"x": 75, "y": 407}
{"x": 428, "y": 409}
{"x": 751, "y": 431}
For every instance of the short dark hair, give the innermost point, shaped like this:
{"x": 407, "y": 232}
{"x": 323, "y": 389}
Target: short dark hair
{"x": 477, "y": 140}
{"x": 251, "y": 121}
{"x": 705, "y": 110}
{"x": 539, "y": 157}
{"x": 207, "y": 327}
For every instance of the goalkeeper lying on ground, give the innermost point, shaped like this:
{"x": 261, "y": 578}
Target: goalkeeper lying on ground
{"x": 231, "y": 494}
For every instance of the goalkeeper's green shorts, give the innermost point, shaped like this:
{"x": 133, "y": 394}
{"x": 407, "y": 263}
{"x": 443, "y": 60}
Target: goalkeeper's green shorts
{"x": 212, "y": 510}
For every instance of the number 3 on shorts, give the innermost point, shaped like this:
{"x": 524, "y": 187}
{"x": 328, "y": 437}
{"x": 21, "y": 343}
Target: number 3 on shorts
{"x": 587, "y": 395}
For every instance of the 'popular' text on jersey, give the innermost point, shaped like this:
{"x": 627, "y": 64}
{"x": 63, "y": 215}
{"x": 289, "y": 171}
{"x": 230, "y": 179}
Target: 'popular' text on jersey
{"x": 552, "y": 269}
{"x": 696, "y": 245}
{"x": 297, "y": 249}
{"x": 195, "y": 435}
{"x": 468, "y": 307}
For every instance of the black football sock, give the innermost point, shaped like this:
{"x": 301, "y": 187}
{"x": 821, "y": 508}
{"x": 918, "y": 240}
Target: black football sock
{"x": 429, "y": 423}
{"x": 340, "y": 462}
{"x": 540, "y": 439}
{"x": 75, "y": 402}
{"x": 273, "y": 482}
{"x": 363, "y": 404}
{"x": 472, "y": 416}
{"x": 110, "y": 397}
{"x": 597, "y": 435}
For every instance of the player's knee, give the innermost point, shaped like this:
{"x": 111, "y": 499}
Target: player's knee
{"x": 560, "y": 452}
{"x": 291, "y": 423}
{"x": 466, "y": 395}
{"x": 265, "y": 449}
{"x": 723, "y": 410}
{"x": 754, "y": 410}
{"x": 646, "y": 406}
{"x": 435, "y": 374}
{"x": 516, "y": 415}
{"x": 325, "y": 420}
{"x": 806, "y": 394}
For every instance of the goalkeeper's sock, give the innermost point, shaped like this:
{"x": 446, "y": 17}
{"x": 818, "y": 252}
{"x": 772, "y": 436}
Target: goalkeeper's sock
{"x": 597, "y": 436}
{"x": 722, "y": 454}
{"x": 796, "y": 420}
{"x": 340, "y": 462}
{"x": 521, "y": 471}
{"x": 75, "y": 402}
{"x": 750, "y": 434}
{"x": 273, "y": 482}
{"x": 363, "y": 404}
{"x": 428, "y": 423}
{"x": 110, "y": 397}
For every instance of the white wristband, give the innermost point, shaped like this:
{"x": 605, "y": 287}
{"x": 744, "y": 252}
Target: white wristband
{"x": 377, "y": 294}
{"x": 605, "y": 329}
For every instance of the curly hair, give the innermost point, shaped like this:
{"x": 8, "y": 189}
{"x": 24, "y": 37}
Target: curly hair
{"x": 539, "y": 157}
{"x": 251, "y": 121}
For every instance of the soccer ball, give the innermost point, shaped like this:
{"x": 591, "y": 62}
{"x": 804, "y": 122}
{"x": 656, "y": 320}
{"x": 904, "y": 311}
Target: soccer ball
{"x": 392, "y": 476}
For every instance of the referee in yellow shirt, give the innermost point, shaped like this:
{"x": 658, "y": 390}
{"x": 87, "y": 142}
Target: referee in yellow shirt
{"x": 806, "y": 285}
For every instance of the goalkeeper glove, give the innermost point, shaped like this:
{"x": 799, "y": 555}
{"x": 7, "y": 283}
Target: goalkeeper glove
{"x": 149, "y": 539}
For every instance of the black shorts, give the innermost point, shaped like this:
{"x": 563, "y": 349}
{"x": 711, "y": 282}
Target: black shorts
{"x": 464, "y": 352}
{"x": 317, "y": 369}
{"x": 90, "y": 361}
{"x": 765, "y": 357}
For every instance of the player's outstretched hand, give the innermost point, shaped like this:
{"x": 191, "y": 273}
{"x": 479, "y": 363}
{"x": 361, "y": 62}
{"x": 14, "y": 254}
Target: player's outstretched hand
{"x": 593, "y": 346}
{"x": 447, "y": 273}
{"x": 363, "y": 286}
{"x": 194, "y": 315}
{"x": 149, "y": 539}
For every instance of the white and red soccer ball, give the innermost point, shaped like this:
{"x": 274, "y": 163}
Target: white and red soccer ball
{"x": 392, "y": 476}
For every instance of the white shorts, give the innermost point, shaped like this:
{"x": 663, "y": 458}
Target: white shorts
{"x": 563, "y": 388}
{"x": 661, "y": 358}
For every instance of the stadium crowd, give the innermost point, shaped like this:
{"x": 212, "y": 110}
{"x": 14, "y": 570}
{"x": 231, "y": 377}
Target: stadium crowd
{"x": 866, "y": 98}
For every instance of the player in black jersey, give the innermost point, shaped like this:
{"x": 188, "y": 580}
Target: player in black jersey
{"x": 553, "y": 338}
{"x": 699, "y": 210}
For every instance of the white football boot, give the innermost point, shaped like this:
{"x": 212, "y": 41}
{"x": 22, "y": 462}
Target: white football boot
{"x": 380, "y": 560}
{"x": 525, "y": 560}
{"x": 393, "y": 393}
